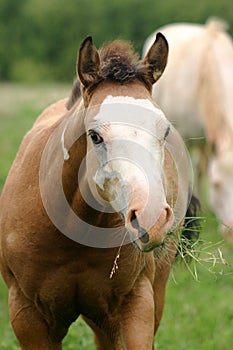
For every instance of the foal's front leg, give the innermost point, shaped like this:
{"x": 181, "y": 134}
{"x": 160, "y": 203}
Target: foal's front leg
{"x": 133, "y": 327}
{"x": 137, "y": 331}
{"x": 30, "y": 328}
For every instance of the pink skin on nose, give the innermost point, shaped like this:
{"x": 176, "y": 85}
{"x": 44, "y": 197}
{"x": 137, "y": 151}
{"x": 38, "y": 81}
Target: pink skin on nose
{"x": 147, "y": 238}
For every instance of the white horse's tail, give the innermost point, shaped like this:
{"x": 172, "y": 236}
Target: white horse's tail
{"x": 215, "y": 24}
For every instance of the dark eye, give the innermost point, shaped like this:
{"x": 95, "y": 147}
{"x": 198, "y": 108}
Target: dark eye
{"x": 96, "y": 138}
{"x": 166, "y": 133}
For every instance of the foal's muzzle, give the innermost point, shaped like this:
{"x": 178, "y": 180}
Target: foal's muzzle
{"x": 152, "y": 237}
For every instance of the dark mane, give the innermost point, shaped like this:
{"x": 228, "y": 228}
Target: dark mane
{"x": 118, "y": 63}
{"x": 191, "y": 230}
{"x": 75, "y": 94}
{"x": 192, "y": 223}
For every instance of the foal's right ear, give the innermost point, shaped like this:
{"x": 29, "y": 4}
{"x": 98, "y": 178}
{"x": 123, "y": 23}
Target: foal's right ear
{"x": 88, "y": 63}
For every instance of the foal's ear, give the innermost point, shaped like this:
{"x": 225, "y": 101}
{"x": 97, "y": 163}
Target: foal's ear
{"x": 88, "y": 63}
{"x": 156, "y": 59}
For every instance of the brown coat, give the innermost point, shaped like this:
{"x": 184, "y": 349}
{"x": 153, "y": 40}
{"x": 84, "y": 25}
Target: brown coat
{"x": 53, "y": 279}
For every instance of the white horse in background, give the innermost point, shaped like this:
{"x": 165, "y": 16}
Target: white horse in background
{"x": 196, "y": 93}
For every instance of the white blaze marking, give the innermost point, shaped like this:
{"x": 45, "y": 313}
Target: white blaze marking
{"x": 124, "y": 119}
{"x": 131, "y": 100}
{"x": 130, "y": 117}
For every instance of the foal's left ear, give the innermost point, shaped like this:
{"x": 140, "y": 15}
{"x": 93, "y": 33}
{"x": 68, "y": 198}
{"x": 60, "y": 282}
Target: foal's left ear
{"x": 156, "y": 59}
{"x": 88, "y": 63}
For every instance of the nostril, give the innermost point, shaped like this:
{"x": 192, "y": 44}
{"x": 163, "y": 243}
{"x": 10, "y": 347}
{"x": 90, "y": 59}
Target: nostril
{"x": 134, "y": 220}
{"x": 144, "y": 237}
{"x": 169, "y": 214}
{"x": 142, "y": 234}
{"x": 168, "y": 217}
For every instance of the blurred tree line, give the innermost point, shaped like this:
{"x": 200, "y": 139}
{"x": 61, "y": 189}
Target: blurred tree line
{"x": 39, "y": 38}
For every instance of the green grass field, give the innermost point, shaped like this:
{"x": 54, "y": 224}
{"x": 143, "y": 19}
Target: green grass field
{"x": 198, "y": 314}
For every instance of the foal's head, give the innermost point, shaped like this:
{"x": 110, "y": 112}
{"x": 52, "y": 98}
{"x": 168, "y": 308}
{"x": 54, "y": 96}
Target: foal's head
{"x": 126, "y": 133}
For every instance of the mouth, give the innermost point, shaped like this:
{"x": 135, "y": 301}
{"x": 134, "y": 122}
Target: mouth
{"x": 147, "y": 248}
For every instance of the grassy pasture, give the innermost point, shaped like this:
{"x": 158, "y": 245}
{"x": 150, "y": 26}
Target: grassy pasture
{"x": 197, "y": 315}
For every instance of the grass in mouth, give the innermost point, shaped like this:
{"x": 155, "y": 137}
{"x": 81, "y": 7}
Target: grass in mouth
{"x": 200, "y": 252}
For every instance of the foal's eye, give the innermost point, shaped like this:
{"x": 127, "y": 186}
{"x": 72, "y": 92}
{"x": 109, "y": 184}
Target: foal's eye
{"x": 96, "y": 138}
{"x": 167, "y": 133}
